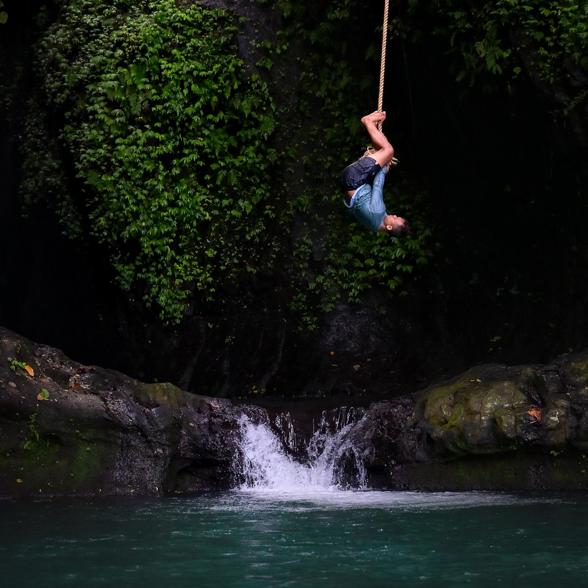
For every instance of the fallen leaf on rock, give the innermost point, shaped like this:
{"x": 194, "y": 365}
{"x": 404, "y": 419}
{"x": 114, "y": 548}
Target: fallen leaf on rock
{"x": 74, "y": 382}
{"x": 43, "y": 394}
{"x": 535, "y": 413}
{"x": 29, "y": 370}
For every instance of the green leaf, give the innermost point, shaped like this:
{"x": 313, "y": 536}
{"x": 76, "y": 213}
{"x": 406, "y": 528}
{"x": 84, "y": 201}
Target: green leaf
{"x": 43, "y": 394}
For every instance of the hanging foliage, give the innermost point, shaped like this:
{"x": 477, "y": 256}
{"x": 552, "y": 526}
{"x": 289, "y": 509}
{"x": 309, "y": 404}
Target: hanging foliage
{"x": 167, "y": 134}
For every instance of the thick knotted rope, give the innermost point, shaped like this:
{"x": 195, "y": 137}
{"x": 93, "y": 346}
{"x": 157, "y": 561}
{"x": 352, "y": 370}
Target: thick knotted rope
{"x": 371, "y": 149}
{"x": 383, "y": 59}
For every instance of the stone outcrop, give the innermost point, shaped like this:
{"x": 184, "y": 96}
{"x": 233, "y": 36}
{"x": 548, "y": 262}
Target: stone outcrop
{"x": 70, "y": 429}
{"x": 492, "y": 427}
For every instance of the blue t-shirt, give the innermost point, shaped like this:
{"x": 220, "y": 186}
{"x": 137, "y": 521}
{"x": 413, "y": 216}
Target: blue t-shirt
{"x": 367, "y": 206}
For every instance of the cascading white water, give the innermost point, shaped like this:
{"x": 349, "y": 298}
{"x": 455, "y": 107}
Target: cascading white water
{"x": 268, "y": 466}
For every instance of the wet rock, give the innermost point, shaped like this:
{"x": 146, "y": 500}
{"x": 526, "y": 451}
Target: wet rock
{"x": 493, "y": 427}
{"x": 475, "y": 414}
{"x": 71, "y": 429}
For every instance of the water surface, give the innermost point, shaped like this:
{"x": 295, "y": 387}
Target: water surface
{"x": 327, "y": 538}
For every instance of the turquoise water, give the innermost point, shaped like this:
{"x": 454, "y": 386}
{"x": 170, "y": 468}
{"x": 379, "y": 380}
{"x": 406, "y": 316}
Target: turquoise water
{"x": 265, "y": 539}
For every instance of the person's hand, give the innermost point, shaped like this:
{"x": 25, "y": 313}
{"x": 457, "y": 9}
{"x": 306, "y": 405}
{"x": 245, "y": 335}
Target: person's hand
{"x": 378, "y": 116}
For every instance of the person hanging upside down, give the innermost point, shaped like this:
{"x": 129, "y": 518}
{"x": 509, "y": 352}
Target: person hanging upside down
{"x": 363, "y": 182}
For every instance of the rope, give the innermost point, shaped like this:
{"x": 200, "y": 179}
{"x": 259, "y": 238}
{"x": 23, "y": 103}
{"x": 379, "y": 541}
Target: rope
{"x": 383, "y": 59}
{"x": 370, "y": 148}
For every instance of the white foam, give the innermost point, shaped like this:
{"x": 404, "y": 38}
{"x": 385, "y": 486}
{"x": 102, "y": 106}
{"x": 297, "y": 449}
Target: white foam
{"x": 268, "y": 467}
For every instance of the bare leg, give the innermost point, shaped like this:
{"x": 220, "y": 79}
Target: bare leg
{"x": 384, "y": 150}
{"x": 370, "y": 122}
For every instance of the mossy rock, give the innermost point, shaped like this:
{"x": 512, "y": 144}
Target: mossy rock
{"x": 576, "y": 367}
{"x": 96, "y": 431}
{"x": 53, "y": 466}
{"x": 474, "y": 415}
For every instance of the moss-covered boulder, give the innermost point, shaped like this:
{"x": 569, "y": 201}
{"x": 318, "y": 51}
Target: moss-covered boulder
{"x": 491, "y": 428}
{"x": 70, "y": 429}
{"x": 484, "y": 410}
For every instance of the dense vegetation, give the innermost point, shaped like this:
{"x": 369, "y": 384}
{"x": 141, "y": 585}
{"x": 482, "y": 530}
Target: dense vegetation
{"x": 168, "y": 139}
{"x": 507, "y": 38}
{"x": 168, "y": 134}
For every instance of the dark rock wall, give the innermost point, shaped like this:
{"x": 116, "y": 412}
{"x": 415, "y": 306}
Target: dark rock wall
{"x": 50, "y": 288}
{"x": 69, "y": 429}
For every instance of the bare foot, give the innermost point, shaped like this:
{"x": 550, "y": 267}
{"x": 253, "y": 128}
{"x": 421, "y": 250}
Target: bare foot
{"x": 373, "y": 118}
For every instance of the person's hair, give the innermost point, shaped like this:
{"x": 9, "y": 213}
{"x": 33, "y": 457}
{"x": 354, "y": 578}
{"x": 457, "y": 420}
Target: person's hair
{"x": 405, "y": 229}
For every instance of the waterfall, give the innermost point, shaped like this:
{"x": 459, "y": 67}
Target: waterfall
{"x": 329, "y": 458}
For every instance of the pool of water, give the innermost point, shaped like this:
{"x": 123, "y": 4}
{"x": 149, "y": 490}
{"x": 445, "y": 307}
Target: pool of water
{"x": 262, "y": 538}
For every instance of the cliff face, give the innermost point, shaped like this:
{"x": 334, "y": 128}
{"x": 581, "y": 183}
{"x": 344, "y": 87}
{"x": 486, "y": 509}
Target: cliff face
{"x": 487, "y": 168}
{"x": 252, "y": 341}
{"x": 69, "y": 429}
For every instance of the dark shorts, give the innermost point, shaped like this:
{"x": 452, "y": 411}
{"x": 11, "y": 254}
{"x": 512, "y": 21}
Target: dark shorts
{"x": 359, "y": 173}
